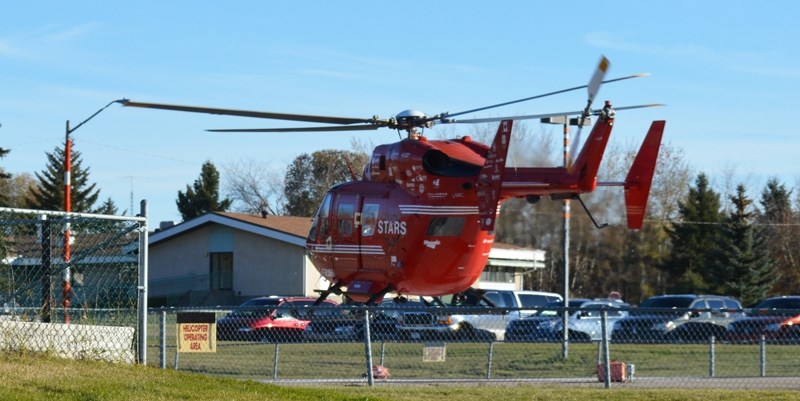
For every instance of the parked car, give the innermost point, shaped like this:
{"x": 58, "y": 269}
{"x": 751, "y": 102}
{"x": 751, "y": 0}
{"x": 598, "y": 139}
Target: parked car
{"x": 584, "y": 322}
{"x": 412, "y": 320}
{"x": 507, "y": 306}
{"x": 268, "y": 319}
{"x": 678, "y": 318}
{"x": 775, "y": 318}
{"x": 332, "y": 325}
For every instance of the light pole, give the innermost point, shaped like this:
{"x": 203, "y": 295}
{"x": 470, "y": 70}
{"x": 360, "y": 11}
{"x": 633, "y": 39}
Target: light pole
{"x": 565, "y": 121}
{"x": 67, "y": 286}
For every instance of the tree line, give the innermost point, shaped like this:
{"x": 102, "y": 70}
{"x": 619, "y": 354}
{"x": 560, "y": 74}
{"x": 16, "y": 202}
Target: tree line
{"x": 695, "y": 239}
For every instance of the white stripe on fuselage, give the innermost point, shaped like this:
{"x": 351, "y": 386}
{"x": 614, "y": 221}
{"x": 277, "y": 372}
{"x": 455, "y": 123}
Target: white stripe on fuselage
{"x": 347, "y": 249}
{"x": 438, "y": 210}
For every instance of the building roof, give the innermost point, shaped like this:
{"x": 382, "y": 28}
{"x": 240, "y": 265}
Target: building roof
{"x": 298, "y": 226}
{"x": 293, "y": 230}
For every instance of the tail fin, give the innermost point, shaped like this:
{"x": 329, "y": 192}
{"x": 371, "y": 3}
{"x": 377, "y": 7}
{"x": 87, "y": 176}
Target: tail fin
{"x": 588, "y": 160}
{"x": 640, "y": 177}
{"x": 490, "y": 179}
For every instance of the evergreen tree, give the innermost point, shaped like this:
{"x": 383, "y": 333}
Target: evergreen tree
{"x": 203, "y": 196}
{"x": 694, "y": 240}
{"x": 783, "y": 235}
{"x": 48, "y": 194}
{"x": 108, "y": 207}
{"x": 745, "y": 268}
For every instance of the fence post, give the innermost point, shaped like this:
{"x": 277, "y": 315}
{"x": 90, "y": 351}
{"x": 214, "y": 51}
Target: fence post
{"x": 606, "y": 356}
{"x": 712, "y": 369}
{"x": 275, "y": 361}
{"x": 383, "y": 351}
{"x": 368, "y": 348}
{"x": 46, "y": 283}
{"x": 163, "y": 339}
{"x": 762, "y": 355}
{"x": 142, "y": 287}
{"x": 489, "y": 362}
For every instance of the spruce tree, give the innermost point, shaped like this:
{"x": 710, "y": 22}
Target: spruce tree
{"x": 745, "y": 268}
{"x": 108, "y": 207}
{"x": 781, "y": 228}
{"x": 203, "y": 196}
{"x": 48, "y": 194}
{"x": 694, "y": 238}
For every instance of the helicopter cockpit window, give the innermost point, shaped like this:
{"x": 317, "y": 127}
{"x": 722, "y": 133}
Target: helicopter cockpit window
{"x": 345, "y": 217}
{"x": 369, "y": 218}
{"x": 320, "y": 223}
{"x": 438, "y": 163}
{"x": 445, "y": 226}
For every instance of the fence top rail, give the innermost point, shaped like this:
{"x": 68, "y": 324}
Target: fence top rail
{"x": 462, "y": 310}
{"x": 73, "y": 214}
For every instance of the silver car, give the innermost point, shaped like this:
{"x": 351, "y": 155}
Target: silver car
{"x": 584, "y": 322}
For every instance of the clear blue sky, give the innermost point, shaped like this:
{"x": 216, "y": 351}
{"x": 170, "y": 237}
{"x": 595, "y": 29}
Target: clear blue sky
{"x": 729, "y": 72}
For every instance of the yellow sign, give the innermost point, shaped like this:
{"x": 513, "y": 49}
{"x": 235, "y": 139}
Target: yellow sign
{"x": 197, "y": 332}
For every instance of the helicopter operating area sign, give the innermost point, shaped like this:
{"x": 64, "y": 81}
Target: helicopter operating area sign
{"x": 197, "y": 332}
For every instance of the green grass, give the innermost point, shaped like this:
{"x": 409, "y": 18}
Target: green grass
{"x": 35, "y": 377}
{"x": 470, "y": 360}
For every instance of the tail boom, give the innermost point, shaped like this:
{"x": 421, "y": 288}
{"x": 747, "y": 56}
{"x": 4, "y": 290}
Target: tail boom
{"x": 579, "y": 178}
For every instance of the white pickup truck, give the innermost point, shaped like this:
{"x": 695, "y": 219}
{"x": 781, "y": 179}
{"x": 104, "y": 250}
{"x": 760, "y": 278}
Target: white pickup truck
{"x": 509, "y": 305}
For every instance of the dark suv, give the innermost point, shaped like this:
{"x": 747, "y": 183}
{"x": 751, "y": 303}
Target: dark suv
{"x": 678, "y": 318}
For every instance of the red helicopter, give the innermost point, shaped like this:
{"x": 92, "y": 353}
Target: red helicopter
{"x": 420, "y": 221}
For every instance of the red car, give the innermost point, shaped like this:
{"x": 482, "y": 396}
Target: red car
{"x": 268, "y": 319}
{"x": 777, "y": 319}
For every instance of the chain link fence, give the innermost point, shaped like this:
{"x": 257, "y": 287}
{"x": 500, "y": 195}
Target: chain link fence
{"x": 73, "y": 285}
{"x": 292, "y": 341}
{"x": 69, "y": 284}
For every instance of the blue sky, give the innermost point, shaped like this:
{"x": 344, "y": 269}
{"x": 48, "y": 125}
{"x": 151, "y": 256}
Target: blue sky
{"x": 728, "y": 71}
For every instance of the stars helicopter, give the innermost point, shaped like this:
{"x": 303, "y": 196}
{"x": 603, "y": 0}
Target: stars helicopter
{"x": 420, "y": 220}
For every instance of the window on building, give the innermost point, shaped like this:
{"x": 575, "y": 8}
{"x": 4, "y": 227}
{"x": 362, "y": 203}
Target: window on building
{"x": 221, "y": 270}
{"x": 497, "y": 274}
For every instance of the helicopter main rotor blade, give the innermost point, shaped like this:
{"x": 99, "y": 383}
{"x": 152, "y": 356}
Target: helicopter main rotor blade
{"x": 445, "y": 116}
{"x": 534, "y": 116}
{"x": 248, "y": 113}
{"x": 593, "y": 88}
{"x": 303, "y": 129}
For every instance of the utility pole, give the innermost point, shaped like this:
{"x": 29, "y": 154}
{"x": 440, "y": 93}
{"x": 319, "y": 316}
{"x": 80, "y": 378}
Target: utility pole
{"x": 565, "y": 122}
{"x": 66, "y": 278}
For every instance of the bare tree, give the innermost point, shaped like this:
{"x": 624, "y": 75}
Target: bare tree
{"x": 17, "y": 189}
{"x": 254, "y": 186}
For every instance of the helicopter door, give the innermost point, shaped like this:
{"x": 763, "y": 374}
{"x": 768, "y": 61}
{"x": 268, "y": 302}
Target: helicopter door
{"x": 347, "y": 233}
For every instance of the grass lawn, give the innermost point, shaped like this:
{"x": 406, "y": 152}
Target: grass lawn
{"x": 36, "y": 377}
